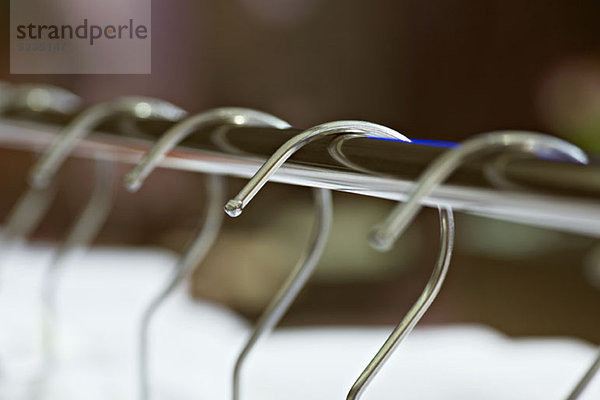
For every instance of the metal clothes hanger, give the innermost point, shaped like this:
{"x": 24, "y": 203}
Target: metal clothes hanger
{"x": 418, "y": 309}
{"x": 303, "y": 270}
{"x": 205, "y": 237}
{"x": 422, "y": 304}
{"x": 384, "y": 235}
{"x": 96, "y": 210}
{"x": 37, "y": 98}
{"x": 30, "y": 208}
{"x": 139, "y": 107}
{"x": 235, "y": 206}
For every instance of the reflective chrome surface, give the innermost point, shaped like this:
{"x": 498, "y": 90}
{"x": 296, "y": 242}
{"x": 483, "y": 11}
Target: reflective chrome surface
{"x": 574, "y": 214}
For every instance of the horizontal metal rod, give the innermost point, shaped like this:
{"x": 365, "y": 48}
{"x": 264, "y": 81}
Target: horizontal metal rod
{"x": 543, "y": 193}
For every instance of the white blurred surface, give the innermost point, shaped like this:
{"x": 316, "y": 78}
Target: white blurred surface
{"x": 194, "y": 346}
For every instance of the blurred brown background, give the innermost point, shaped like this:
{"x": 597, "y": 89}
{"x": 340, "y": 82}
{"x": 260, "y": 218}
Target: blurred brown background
{"x": 433, "y": 70}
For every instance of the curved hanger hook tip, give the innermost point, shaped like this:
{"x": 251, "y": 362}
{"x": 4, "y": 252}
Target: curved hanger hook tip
{"x": 234, "y": 208}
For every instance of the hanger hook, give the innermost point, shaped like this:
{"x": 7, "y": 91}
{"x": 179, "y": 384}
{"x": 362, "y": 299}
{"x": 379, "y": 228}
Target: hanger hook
{"x": 230, "y": 115}
{"x": 433, "y": 176}
{"x": 304, "y": 268}
{"x": 96, "y": 210}
{"x": 422, "y": 304}
{"x": 235, "y": 206}
{"x": 38, "y": 98}
{"x": 335, "y": 150}
{"x": 29, "y": 209}
{"x": 61, "y": 146}
{"x": 384, "y": 234}
{"x": 207, "y": 233}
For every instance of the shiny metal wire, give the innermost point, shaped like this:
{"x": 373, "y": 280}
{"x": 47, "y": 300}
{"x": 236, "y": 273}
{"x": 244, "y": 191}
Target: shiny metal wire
{"x": 139, "y": 107}
{"x": 38, "y": 98}
{"x": 207, "y": 233}
{"x": 233, "y": 115}
{"x": 32, "y": 205}
{"x": 292, "y": 286}
{"x": 384, "y": 234}
{"x": 304, "y": 269}
{"x": 416, "y": 312}
{"x": 295, "y": 281}
{"x": 235, "y": 206}
{"x": 297, "y": 278}
{"x": 97, "y": 208}
{"x": 335, "y": 150}
{"x": 558, "y": 205}
{"x": 35, "y": 201}
{"x": 422, "y": 304}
